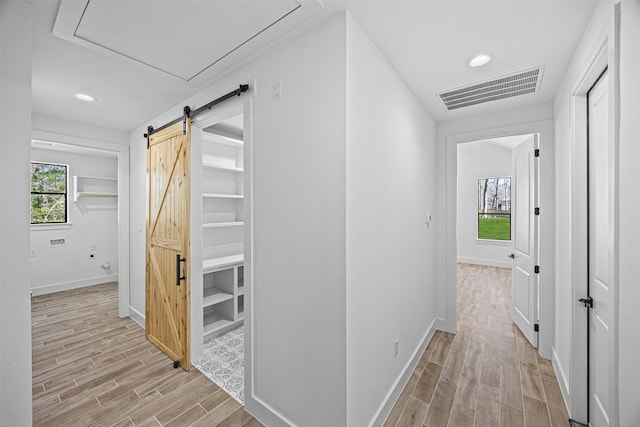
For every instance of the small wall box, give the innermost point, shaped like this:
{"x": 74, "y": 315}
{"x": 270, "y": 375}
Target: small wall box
{"x": 94, "y": 186}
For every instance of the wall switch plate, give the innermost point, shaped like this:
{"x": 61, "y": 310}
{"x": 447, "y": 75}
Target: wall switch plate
{"x": 277, "y": 91}
{"x": 396, "y": 343}
{"x": 34, "y": 252}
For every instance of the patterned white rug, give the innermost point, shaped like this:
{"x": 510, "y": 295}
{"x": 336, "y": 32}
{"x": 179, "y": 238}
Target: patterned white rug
{"x": 223, "y": 362}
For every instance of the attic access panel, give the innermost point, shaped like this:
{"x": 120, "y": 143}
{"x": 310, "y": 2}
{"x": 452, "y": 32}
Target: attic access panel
{"x": 182, "y": 38}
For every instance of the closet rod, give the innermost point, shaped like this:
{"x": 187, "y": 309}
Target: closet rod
{"x": 191, "y": 113}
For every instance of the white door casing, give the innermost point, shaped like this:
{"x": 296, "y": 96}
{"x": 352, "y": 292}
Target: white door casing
{"x": 524, "y": 280}
{"x": 600, "y": 248}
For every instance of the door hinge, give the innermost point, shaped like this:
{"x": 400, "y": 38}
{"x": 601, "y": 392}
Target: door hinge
{"x": 537, "y": 211}
{"x": 536, "y": 327}
{"x": 536, "y": 152}
{"x": 587, "y": 302}
{"x": 536, "y": 269}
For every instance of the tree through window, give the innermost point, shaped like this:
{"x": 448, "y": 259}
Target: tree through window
{"x": 494, "y": 208}
{"x": 48, "y": 193}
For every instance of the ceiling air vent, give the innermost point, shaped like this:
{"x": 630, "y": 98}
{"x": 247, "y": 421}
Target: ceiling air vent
{"x": 514, "y": 84}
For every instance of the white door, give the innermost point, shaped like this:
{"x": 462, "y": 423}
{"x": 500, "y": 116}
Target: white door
{"x": 524, "y": 296}
{"x": 599, "y": 250}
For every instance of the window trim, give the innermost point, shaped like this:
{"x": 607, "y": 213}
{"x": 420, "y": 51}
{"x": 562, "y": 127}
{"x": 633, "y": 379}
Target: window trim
{"x": 48, "y": 225}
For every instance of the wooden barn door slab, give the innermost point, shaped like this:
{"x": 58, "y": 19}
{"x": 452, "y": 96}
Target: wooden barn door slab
{"x": 167, "y": 262}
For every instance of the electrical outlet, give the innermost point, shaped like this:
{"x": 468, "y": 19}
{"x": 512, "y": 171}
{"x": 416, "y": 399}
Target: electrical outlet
{"x": 396, "y": 343}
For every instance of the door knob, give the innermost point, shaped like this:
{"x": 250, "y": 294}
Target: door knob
{"x": 512, "y": 256}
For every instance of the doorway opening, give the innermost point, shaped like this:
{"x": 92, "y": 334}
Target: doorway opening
{"x": 220, "y": 240}
{"x": 92, "y": 247}
{"x": 497, "y": 193}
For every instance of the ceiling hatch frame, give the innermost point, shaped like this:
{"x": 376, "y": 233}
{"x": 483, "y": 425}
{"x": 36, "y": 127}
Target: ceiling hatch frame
{"x": 514, "y": 84}
{"x": 70, "y": 15}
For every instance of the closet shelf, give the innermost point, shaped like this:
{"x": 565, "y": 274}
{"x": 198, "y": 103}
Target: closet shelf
{"x": 94, "y": 194}
{"x": 222, "y": 224}
{"x": 223, "y": 168}
{"x": 224, "y": 140}
{"x": 214, "y": 322}
{"x": 212, "y": 264}
{"x": 214, "y": 296}
{"x": 94, "y": 186}
{"x": 222, "y": 196}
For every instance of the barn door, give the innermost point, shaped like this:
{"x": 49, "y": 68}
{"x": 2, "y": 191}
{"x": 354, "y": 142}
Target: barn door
{"x": 167, "y": 281}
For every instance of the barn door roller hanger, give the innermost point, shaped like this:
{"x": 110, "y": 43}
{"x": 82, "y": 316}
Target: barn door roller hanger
{"x": 188, "y": 112}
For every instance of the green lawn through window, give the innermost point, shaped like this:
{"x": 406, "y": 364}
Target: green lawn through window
{"x": 494, "y": 228}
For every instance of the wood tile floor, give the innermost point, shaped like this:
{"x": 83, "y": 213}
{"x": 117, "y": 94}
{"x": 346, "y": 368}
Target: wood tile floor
{"x": 485, "y": 375}
{"x": 91, "y": 367}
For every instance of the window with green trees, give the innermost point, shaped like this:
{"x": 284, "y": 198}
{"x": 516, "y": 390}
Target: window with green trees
{"x": 494, "y": 208}
{"x": 48, "y": 193}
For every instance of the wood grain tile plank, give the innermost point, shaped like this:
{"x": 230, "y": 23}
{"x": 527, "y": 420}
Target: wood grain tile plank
{"x": 441, "y": 349}
{"x": 426, "y": 385}
{"x": 453, "y": 366}
{"x": 461, "y": 416}
{"x": 188, "y": 417}
{"x": 215, "y": 418}
{"x": 488, "y": 407}
{"x": 441, "y": 404}
{"x": 510, "y": 388}
{"x": 536, "y": 413}
{"x": 510, "y": 416}
{"x": 531, "y": 381}
{"x": 413, "y": 414}
{"x": 467, "y": 390}
{"x": 398, "y": 407}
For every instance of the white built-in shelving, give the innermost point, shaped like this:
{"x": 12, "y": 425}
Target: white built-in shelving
{"x": 94, "y": 186}
{"x": 222, "y": 233}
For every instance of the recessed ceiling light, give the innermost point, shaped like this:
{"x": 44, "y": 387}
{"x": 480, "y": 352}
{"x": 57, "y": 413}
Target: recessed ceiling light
{"x": 480, "y": 59}
{"x": 85, "y": 97}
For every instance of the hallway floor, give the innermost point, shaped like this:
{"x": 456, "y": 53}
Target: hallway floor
{"x": 487, "y": 374}
{"x": 91, "y": 367}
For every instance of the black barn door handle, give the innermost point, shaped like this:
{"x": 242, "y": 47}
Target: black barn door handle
{"x": 178, "y": 276}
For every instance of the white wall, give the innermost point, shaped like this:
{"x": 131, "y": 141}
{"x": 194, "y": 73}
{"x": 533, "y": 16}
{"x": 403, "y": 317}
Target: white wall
{"x": 629, "y": 231}
{"x": 77, "y": 129}
{"x": 297, "y": 353}
{"x": 476, "y": 160}
{"x": 15, "y": 131}
{"x": 390, "y": 251}
{"x": 94, "y": 221}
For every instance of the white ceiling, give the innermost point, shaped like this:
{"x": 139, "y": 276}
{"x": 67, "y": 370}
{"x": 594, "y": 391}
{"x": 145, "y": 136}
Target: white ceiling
{"x": 428, "y": 42}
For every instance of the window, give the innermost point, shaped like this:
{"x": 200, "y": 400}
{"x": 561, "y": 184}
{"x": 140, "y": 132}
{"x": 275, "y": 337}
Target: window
{"x": 494, "y": 208}
{"x": 48, "y": 193}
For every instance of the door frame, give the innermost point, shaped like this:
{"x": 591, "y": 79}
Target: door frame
{"x": 546, "y": 247}
{"x": 605, "y": 56}
{"x": 122, "y": 152}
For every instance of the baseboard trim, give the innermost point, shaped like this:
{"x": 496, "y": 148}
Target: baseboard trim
{"x": 265, "y": 413}
{"x": 487, "y": 262}
{"x": 562, "y": 379}
{"x": 136, "y": 316}
{"x": 394, "y": 393}
{"x": 67, "y": 286}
